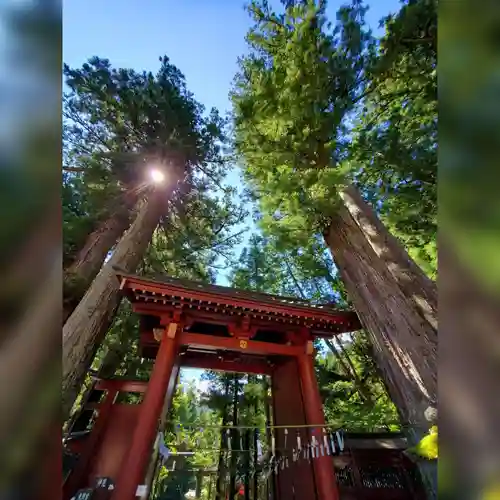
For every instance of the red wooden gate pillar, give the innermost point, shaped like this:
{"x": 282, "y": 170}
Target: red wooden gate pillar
{"x": 134, "y": 465}
{"x": 326, "y": 484}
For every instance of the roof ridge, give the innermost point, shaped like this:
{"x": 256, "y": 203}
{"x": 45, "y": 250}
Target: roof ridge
{"x": 165, "y": 279}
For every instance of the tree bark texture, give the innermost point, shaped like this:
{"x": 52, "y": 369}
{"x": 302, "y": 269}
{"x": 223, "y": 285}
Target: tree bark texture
{"x": 90, "y": 258}
{"x": 396, "y": 303}
{"x": 84, "y": 330}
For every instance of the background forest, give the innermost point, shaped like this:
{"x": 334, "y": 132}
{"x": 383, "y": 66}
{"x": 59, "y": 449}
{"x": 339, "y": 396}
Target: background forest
{"x": 309, "y": 88}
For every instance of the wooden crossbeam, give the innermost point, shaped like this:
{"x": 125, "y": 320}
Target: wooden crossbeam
{"x": 239, "y": 345}
{"x": 207, "y": 362}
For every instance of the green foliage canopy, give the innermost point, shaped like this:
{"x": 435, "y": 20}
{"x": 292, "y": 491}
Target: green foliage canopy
{"x": 318, "y": 106}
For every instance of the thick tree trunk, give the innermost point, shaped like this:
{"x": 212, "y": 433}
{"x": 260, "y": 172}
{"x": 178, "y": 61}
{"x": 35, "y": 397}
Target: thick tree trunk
{"x": 89, "y": 260}
{"x": 396, "y": 303}
{"x": 85, "y": 328}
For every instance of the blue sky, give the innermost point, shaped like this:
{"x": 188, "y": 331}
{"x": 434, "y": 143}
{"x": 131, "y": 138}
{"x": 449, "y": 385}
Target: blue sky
{"x": 203, "y": 38}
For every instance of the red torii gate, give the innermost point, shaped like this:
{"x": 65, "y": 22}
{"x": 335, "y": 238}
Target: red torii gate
{"x": 188, "y": 324}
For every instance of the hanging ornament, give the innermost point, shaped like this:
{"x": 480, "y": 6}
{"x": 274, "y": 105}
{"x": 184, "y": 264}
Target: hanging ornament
{"x": 332, "y": 444}
{"x": 340, "y": 440}
{"x": 325, "y": 442}
{"x": 320, "y": 444}
{"x": 314, "y": 450}
{"x": 299, "y": 443}
{"x": 286, "y": 436}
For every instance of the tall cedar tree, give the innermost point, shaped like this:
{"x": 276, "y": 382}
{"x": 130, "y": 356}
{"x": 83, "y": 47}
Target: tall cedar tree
{"x": 394, "y": 147}
{"x": 294, "y": 98}
{"x": 118, "y": 125}
{"x": 156, "y": 122}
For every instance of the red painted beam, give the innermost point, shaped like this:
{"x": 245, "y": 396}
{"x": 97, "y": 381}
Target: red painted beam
{"x": 121, "y": 385}
{"x": 218, "y": 365}
{"x": 246, "y": 303}
{"x": 247, "y": 346}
